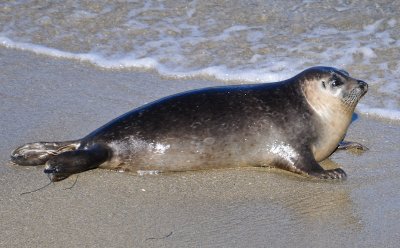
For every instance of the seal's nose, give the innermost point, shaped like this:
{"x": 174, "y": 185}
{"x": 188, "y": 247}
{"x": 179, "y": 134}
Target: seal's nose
{"x": 363, "y": 85}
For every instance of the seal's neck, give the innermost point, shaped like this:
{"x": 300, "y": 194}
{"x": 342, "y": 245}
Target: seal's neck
{"x": 333, "y": 118}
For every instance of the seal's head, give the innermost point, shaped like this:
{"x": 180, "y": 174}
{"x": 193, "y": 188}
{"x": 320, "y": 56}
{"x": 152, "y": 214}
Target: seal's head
{"x": 330, "y": 90}
{"x": 333, "y": 95}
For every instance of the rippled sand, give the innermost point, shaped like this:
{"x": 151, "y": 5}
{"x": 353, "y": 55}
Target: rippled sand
{"x": 50, "y": 99}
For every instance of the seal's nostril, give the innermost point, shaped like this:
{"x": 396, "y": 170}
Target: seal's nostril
{"x": 362, "y": 84}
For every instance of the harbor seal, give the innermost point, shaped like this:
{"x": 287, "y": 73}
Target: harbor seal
{"x": 292, "y": 125}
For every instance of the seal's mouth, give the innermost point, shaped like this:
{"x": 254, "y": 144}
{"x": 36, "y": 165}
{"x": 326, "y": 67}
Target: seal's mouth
{"x": 352, "y": 98}
{"x": 363, "y": 86}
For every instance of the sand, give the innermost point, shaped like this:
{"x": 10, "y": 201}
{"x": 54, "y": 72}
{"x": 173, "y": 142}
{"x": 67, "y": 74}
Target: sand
{"x": 43, "y": 98}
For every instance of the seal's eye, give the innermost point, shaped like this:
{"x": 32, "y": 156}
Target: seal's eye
{"x": 335, "y": 82}
{"x": 323, "y": 84}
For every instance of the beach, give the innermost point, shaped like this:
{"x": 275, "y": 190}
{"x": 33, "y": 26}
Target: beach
{"x": 50, "y": 99}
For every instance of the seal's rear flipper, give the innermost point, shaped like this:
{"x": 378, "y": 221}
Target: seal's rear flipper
{"x": 71, "y": 162}
{"x": 39, "y": 153}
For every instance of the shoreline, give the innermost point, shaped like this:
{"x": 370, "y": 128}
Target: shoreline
{"x": 44, "y": 98}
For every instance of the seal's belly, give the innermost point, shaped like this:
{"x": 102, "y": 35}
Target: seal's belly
{"x": 187, "y": 153}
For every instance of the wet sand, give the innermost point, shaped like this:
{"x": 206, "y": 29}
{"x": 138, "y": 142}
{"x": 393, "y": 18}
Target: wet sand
{"x": 48, "y": 99}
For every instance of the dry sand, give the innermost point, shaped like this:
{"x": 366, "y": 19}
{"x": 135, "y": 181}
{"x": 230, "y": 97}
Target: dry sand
{"x": 48, "y": 99}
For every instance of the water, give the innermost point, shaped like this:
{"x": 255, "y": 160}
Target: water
{"x": 240, "y": 41}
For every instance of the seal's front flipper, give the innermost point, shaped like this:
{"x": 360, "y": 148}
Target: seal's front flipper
{"x": 337, "y": 173}
{"x": 344, "y": 145}
{"x": 39, "y": 153}
{"x": 306, "y": 164}
{"x": 72, "y": 162}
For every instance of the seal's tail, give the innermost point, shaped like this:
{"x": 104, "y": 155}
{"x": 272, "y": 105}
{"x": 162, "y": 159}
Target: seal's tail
{"x": 39, "y": 153}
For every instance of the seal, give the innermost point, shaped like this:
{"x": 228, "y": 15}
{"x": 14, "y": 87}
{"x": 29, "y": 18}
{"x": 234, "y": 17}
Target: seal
{"x": 292, "y": 125}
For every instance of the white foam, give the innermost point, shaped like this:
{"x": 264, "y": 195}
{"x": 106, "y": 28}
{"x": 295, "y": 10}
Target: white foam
{"x": 6, "y": 42}
{"x": 129, "y": 61}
